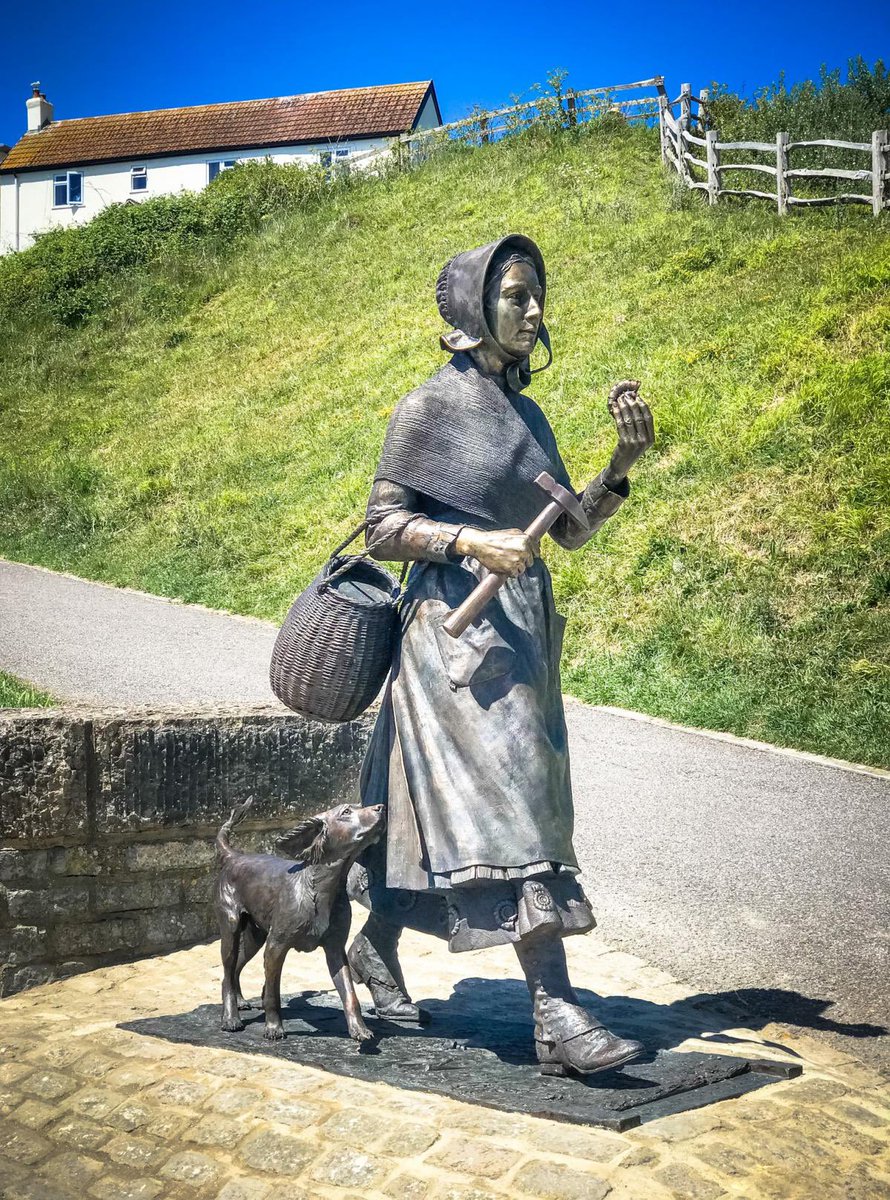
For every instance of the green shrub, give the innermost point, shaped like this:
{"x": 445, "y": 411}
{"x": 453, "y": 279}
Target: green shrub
{"x": 822, "y": 108}
{"x": 70, "y": 275}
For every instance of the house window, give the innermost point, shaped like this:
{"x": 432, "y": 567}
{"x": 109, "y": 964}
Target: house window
{"x": 67, "y": 189}
{"x": 139, "y": 179}
{"x": 327, "y": 159}
{"x": 214, "y": 168}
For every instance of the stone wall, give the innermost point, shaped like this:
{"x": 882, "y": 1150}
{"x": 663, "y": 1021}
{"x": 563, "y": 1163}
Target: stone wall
{"x": 107, "y": 823}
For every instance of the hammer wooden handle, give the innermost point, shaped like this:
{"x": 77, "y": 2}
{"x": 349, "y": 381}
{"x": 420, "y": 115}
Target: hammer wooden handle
{"x": 465, "y": 614}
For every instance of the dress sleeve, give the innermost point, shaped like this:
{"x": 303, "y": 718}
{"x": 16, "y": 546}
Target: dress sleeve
{"x": 599, "y": 503}
{"x": 399, "y": 529}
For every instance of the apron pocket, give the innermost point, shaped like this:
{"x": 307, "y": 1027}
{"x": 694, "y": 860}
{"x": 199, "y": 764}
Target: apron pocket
{"x": 477, "y": 656}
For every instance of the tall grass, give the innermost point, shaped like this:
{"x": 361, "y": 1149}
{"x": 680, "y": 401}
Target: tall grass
{"x": 210, "y": 432}
{"x": 15, "y": 694}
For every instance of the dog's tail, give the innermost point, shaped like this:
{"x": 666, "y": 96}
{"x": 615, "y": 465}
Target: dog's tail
{"x": 237, "y": 815}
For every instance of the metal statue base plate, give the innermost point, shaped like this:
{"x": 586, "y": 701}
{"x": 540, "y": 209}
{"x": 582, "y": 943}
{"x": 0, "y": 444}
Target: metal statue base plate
{"x": 488, "y": 1062}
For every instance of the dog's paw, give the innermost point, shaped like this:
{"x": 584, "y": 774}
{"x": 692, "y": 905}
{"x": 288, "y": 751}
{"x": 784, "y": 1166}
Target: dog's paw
{"x": 274, "y": 1033}
{"x": 361, "y": 1033}
{"x": 231, "y": 1025}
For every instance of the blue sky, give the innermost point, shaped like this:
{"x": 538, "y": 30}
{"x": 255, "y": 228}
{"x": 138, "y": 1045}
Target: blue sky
{"x": 96, "y": 57}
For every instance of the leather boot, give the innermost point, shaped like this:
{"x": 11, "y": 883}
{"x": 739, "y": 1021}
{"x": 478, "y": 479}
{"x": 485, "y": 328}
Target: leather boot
{"x": 374, "y": 961}
{"x": 567, "y": 1036}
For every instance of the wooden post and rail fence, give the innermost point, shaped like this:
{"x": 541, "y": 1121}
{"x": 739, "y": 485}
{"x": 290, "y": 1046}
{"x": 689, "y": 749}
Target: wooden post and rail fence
{"x": 701, "y": 153}
{"x": 567, "y": 109}
{"x": 689, "y": 144}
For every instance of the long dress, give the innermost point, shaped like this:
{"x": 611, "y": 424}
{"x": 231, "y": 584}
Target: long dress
{"x": 469, "y": 752}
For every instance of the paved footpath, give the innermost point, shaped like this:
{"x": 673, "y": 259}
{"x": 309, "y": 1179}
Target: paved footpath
{"x": 746, "y": 871}
{"x": 93, "y": 1112}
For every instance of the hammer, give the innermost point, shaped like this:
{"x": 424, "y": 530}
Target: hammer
{"x": 563, "y": 501}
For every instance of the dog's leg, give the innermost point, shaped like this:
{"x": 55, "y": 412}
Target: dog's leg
{"x": 229, "y": 939}
{"x": 274, "y": 961}
{"x": 252, "y": 940}
{"x": 339, "y": 969}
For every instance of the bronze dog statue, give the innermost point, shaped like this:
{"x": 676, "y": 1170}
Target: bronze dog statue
{"x": 294, "y": 903}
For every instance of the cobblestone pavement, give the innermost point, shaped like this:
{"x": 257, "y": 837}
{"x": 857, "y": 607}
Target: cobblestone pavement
{"x": 92, "y": 1111}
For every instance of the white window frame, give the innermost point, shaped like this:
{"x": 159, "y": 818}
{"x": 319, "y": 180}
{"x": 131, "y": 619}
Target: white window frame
{"x": 330, "y": 158}
{"x": 221, "y": 164}
{"x": 138, "y": 173}
{"x": 66, "y": 176}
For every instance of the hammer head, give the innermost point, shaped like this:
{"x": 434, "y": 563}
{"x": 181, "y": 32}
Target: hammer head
{"x": 567, "y": 500}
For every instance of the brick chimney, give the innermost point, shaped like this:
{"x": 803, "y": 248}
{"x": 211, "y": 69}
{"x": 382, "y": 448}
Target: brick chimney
{"x": 40, "y": 111}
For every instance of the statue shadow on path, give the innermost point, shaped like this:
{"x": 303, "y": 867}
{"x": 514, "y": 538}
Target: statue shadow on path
{"x": 495, "y": 1015}
{"x": 706, "y": 1015}
{"x": 479, "y": 1048}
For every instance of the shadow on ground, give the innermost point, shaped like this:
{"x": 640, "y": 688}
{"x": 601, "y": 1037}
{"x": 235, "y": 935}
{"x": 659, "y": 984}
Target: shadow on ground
{"x": 792, "y": 1008}
{"x": 479, "y": 1049}
{"x": 662, "y": 1026}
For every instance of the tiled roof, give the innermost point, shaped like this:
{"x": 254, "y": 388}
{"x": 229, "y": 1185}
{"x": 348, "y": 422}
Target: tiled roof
{"x": 240, "y": 125}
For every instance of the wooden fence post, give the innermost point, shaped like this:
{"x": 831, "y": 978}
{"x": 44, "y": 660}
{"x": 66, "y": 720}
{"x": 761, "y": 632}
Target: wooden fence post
{"x": 782, "y": 140}
{"x": 713, "y": 156}
{"x": 662, "y": 126}
{"x": 704, "y": 97}
{"x": 878, "y": 166}
{"x": 685, "y": 105}
{"x": 484, "y": 132}
{"x": 683, "y": 126}
{"x": 570, "y": 104}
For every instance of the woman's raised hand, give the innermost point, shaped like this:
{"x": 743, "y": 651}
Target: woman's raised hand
{"x": 503, "y": 551}
{"x": 636, "y": 431}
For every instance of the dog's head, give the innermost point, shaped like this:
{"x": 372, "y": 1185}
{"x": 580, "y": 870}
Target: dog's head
{"x": 335, "y": 835}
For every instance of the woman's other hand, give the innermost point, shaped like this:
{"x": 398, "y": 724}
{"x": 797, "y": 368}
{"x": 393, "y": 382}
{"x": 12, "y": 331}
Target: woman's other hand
{"x": 503, "y": 551}
{"x": 636, "y": 430}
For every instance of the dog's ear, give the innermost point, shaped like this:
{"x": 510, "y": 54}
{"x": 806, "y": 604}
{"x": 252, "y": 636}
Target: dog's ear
{"x": 306, "y": 842}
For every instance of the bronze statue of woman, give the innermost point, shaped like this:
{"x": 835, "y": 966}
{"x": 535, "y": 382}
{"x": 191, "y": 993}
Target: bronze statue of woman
{"x": 469, "y": 751}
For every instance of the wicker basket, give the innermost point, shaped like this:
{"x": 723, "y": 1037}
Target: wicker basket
{"x": 335, "y": 647}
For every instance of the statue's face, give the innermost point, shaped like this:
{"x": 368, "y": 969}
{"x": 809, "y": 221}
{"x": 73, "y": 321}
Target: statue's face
{"x": 516, "y": 318}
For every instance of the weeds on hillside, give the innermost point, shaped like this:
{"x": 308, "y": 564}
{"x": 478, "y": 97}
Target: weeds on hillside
{"x": 73, "y": 275}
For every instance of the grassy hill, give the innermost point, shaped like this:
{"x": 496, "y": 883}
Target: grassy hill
{"x": 205, "y": 425}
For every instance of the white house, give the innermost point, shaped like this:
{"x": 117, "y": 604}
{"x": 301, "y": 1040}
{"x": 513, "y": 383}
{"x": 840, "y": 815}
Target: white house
{"x": 64, "y": 172}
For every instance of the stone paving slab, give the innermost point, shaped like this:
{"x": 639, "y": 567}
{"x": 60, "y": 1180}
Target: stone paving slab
{"x": 96, "y": 1112}
{"x": 484, "y": 1061}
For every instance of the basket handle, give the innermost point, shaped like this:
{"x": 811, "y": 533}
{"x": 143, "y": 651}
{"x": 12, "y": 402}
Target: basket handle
{"x": 364, "y": 525}
{"x": 368, "y": 550}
